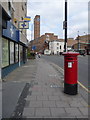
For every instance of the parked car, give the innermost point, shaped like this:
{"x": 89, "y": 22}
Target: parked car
{"x": 81, "y": 52}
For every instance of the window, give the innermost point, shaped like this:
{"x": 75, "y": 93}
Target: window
{"x": 22, "y": 8}
{"x": 22, "y": 18}
{"x": 5, "y": 53}
{"x": 25, "y": 4}
{"x": 16, "y": 52}
{"x": 21, "y": 53}
{"x": 11, "y": 52}
{"x": 60, "y": 46}
{"x": 57, "y": 47}
{"x": 57, "y": 43}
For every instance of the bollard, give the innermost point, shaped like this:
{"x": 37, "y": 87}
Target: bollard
{"x": 70, "y": 73}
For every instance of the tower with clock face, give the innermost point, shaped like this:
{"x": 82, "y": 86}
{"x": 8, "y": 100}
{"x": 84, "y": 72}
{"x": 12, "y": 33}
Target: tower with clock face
{"x": 37, "y": 26}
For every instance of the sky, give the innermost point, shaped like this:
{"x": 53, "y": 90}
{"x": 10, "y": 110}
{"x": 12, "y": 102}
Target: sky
{"x": 52, "y": 15}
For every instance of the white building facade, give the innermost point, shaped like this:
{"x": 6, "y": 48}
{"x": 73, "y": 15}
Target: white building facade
{"x": 56, "y": 47}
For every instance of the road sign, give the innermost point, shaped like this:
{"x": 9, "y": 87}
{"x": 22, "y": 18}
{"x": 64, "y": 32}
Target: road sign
{"x": 23, "y": 25}
{"x": 34, "y": 47}
{"x": 27, "y": 19}
{"x": 64, "y": 24}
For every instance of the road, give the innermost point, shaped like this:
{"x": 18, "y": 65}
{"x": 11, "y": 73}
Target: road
{"x": 82, "y": 65}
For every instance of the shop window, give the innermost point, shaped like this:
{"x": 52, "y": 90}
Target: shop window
{"x": 21, "y": 53}
{"x": 5, "y": 53}
{"x": 16, "y": 52}
{"x": 11, "y": 52}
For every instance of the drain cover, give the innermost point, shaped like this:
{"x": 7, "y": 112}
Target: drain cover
{"x": 54, "y": 86}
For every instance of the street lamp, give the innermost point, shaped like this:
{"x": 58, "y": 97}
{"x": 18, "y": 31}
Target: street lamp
{"x": 65, "y": 49}
{"x": 78, "y": 41}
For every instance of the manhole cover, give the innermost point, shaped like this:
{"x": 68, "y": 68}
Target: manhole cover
{"x": 54, "y": 86}
{"x": 53, "y": 75}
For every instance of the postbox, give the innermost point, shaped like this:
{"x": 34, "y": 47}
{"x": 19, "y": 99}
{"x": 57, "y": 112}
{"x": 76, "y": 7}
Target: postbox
{"x": 70, "y": 73}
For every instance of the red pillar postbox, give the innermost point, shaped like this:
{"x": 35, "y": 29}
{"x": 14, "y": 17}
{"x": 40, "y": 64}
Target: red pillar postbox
{"x": 70, "y": 73}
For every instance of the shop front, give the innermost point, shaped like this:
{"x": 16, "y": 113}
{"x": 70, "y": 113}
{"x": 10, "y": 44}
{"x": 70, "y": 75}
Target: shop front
{"x": 23, "y": 53}
{"x": 10, "y": 49}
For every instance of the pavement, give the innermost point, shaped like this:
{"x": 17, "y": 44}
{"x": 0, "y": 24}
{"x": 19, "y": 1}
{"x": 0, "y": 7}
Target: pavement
{"x": 42, "y": 95}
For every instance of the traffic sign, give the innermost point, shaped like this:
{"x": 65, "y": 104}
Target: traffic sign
{"x": 64, "y": 24}
{"x": 23, "y": 25}
{"x": 34, "y": 47}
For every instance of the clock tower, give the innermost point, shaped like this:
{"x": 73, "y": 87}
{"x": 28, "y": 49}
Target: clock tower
{"x": 37, "y": 26}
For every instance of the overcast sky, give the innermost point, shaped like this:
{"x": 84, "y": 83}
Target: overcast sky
{"x": 52, "y": 16}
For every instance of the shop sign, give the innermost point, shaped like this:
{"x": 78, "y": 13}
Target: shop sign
{"x": 11, "y": 32}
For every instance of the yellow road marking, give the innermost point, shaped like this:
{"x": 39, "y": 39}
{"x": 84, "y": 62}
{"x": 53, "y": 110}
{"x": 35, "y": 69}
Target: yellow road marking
{"x": 83, "y": 87}
{"x": 88, "y": 106}
{"x": 78, "y": 81}
{"x": 80, "y": 84}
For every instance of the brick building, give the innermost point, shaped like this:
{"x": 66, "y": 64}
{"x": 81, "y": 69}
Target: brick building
{"x": 42, "y": 42}
{"x": 36, "y": 27}
{"x": 82, "y": 42}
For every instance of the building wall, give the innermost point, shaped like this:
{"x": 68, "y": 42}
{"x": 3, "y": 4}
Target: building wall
{"x": 41, "y": 43}
{"x": 83, "y": 38}
{"x": 83, "y": 42}
{"x": 5, "y": 6}
{"x": 56, "y": 47}
{"x": 19, "y": 14}
{"x": 19, "y": 11}
{"x": 80, "y": 46}
{"x": 13, "y": 45}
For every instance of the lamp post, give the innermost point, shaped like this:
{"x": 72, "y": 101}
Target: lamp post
{"x": 0, "y": 43}
{"x": 78, "y": 41}
{"x": 65, "y": 27}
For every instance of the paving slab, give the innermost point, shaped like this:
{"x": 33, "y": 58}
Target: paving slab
{"x": 54, "y": 97}
{"x": 73, "y": 111}
{"x": 49, "y": 104}
{"x": 41, "y": 112}
{"x": 42, "y": 98}
{"x": 45, "y": 97}
{"x": 62, "y": 104}
{"x": 30, "y": 112}
{"x": 35, "y": 104}
{"x": 84, "y": 111}
{"x": 58, "y": 112}
{"x": 49, "y": 100}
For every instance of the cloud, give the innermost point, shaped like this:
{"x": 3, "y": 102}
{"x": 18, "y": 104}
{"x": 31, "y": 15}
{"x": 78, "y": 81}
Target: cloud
{"x": 52, "y": 15}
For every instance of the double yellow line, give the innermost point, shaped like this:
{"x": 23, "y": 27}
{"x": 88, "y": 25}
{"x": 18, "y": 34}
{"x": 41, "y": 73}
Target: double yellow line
{"x": 83, "y": 87}
{"x": 78, "y": 81}
{"x": 80, "y": 84}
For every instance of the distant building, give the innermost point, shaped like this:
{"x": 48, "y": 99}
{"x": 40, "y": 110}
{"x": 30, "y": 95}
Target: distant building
{"x": 36, "y": 27}
{"x": 41, "y": 43}
{"x": 70, "y": 43}
{"x": 56, "y": 47}
{"x": 82, "y": 42}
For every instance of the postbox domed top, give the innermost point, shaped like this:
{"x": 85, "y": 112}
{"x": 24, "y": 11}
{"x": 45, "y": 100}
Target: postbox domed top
{"x": 70, "y": 54}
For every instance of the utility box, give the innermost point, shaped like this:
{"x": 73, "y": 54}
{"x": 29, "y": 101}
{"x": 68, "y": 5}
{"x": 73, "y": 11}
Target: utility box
{"x": 70, "y": 73}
